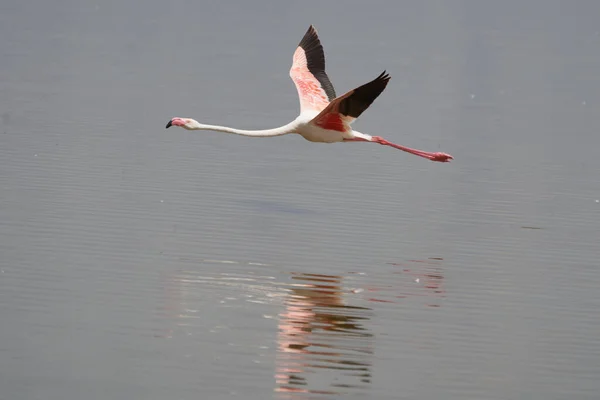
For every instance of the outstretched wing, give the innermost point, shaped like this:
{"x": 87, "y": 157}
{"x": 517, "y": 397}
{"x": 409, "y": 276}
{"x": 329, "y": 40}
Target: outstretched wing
{"x": 308, "y": 73}
{"x": 343, "y": 110}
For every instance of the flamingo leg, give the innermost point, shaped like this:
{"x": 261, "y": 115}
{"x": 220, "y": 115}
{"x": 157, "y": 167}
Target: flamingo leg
{"x": 439, "y": 157}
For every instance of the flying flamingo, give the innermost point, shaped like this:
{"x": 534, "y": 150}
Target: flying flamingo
{"x": 323, "y": 117}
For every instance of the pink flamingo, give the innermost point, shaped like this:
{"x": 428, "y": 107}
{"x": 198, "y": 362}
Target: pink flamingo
{"x": 323, "y": 117}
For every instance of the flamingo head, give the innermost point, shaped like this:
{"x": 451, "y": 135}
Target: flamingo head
{"x": 185, "y": 123}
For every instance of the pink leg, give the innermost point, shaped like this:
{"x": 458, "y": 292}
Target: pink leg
{"x": 441, "y": 157}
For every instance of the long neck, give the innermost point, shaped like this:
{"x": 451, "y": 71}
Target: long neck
{"x": 282, "y": 130}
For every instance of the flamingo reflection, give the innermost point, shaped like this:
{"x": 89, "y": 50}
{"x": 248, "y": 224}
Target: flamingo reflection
{"x": 324, "y": 345}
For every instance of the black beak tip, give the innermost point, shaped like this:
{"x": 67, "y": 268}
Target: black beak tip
{"x": 169, "y": 124}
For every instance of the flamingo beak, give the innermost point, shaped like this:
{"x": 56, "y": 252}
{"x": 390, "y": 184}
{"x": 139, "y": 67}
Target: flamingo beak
{"x": 169, "y": 124}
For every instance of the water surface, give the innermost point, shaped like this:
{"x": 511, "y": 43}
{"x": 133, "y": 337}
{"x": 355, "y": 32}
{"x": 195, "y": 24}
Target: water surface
{"x": 139, "y": 262}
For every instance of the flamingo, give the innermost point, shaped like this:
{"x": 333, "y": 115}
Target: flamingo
{"x": 324, "y": 117}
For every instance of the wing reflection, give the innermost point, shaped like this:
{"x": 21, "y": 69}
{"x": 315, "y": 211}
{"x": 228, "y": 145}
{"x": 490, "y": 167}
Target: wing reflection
{"x": 324, "y": 345}
{"x": 413, "y": 279}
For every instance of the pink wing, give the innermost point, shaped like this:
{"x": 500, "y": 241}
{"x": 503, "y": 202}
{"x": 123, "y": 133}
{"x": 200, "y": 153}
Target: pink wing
{"x": 343, "y": 110}
{"x": 308, "y": 73}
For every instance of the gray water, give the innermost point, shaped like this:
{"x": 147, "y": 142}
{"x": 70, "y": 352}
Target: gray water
{"x": 139, "y": 262}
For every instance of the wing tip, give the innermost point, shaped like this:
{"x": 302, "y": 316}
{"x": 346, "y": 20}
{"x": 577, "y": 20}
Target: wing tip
{"x": 310, "y": 38}
{"x": 384, "y": 76}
